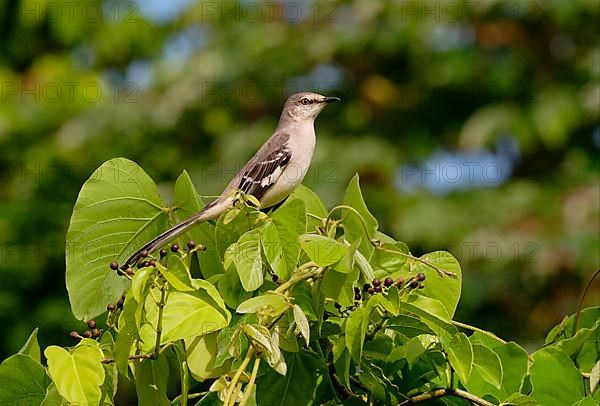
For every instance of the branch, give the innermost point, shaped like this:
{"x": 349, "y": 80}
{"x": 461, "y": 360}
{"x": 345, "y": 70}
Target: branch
{"x": 473, "y": 328}
{"x": 576, "y": 324}
{"x": 438, "y": 393}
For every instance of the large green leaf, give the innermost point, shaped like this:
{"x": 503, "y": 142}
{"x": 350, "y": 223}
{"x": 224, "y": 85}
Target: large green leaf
{"x": 280, "y": 237}
{"x": 118, "y": 210}
{"x": 322, "y": 250}
{"x": 339, "y": 286}
{"x": 460, "y": 355}
{"x": 554, "y": 378}
{"x": 315, "y": 209}
{"x": 31, "y": 348}
{"x": 23, "y": 381}
{"x": 356, "y": 328}
{"x": 297, "y": 386}
{"x": 446, "y": 289}
{"x": 201, "y": 354}
{"x": 78, "y": 375}
{"x": 189, "y": 314}
{"x": 151, "y": 378}
{"x": 247, "y": 258}
{"x": 269, "y": 303}
{"x": 128, "y": 333}
{"x": 487, "y": 364}
{"x": 361, "y": 227}
{"x": 187, "y": 204}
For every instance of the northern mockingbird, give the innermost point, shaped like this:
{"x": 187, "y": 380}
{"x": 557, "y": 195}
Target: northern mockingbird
{"x": 273, "y": 172}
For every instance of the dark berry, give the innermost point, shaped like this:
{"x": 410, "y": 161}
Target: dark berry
{"x": 142, "y": 264}
{"x": 111, "y": 307}
{"x": 92, "y": 324}
{"x": 356, "y": 291}
{"x": 87, "y": 333}
{"x": 420, "y": 276}
{"x": 174, "y": 247}
{"x": 399, "y": 281}
{"x": 414, "y": 284}
{"x": 377, "y": 289}
{"x": 163, "y": 253}
{"x": 74, "y": 334}
{"x": 114, "y": 266}
{"x": 191, "y": 244}
{"x": 388, "y": 281}
{"x": 95, "y": 332}
{"x": 144, "y": 253}
{"x": 376, "y": 282}
{"x": 130, "y": 272}
{"x": 120, "y": 303}
{"x": 337, "y": 306}
{"x": 275, "y": 277}
{"x": 421, "y": 285}
{"x": 366, "y": 287}
{"x": 371, "y": 291}
{"x": 357, "y": 296}
{"x": 152, "y": 262}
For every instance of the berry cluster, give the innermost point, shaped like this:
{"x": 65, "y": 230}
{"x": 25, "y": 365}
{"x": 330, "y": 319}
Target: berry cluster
{"x": 92, "y": 332}
{"x": 377, "y": 286}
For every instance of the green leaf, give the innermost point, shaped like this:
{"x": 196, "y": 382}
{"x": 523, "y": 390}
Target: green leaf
{"x": 280, "y": 237}
{"x": 353, "y": 223}
{"x": 273, "y": 302}
{"x": 554, "y": 378}
{"x": 518, "y": 399}
{"x": 151, "y": 378}
{"x": 407, "y": 325}
{"x": 189, "y": 203}
{"x": 229, "y": 230}
{"x": 53, "y": 398}
{"x": 322, "y": 250}
{"x": 389, "y": 260}
{"x": 302, "y": 323}
{"x": 339, "y": 287}
{"x": 23, "y": 381}
{"x": 176, "y": 273}
{"x": 443, "y": 288}
{"x": 356, "y": 329}
{"x": 487, "y": 364}
{"x": 595, "y": 377}
{"x": 302, "y": 296}
{"x": 246, "y": 255}
{"x": 460, "y": 355}
{"x": 201, "y": 355}
{"x": 190, "y": 313}
{"x": 128, "y": 333}
{"x": 341, "y": 360}
{"x": 78, "y": 375}
{"x": 31, "y": 348}
{"x": 297, "y": 386}
{"x": 514, "y": 361}
{"x": 587, "y": 319}
{"x": 117, "y": 211}
{"x": 314, "y": 207}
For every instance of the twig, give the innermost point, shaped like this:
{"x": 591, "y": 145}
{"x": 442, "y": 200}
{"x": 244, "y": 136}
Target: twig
{"x": 161, "y": 306}
{"x": 250, "y": 385}
{"x": 230, "y": 399}
{"x": 131, "y": 358}
{"x": 473, "y": 328}
{"x": 438, "y": 393}
{"x": 576, "y": 324}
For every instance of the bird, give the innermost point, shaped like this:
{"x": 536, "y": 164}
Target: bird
{"x": 276, "y": 169}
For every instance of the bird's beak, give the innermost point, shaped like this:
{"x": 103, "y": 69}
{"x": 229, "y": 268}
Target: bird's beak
{"x": 331, "y": 99}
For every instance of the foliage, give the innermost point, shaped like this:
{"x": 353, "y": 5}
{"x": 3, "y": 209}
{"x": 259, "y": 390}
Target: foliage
{"x": 295, "y": 306}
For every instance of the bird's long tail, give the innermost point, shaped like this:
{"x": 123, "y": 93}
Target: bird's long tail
{"x": 209, "y": 212}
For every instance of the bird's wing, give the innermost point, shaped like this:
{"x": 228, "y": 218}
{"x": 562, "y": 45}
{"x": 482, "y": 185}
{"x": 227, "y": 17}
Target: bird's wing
{"x": 265, "y": 168}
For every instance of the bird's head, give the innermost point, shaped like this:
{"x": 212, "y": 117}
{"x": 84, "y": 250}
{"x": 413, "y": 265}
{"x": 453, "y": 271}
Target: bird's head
{"x": 305, "y": 105}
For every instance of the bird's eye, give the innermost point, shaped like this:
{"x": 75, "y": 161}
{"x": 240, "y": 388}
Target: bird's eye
{"x": 304, "y": 101}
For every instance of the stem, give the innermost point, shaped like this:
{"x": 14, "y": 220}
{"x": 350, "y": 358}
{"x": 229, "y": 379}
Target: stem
{"x": 131, "y": 358}
{"x": 439, "y": 270}
{"x": 161, "y": 306}
{"x": 250, "y": 385}
{"x": 473, "y": 328}
{"x": 233, "y": 384}
{"x": 438, "y": 393}
{"x": 576, "y": 324}
{"x": 352, "y": 209}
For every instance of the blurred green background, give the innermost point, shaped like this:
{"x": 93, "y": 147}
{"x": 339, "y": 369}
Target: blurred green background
{"x": 474, "y": 127}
